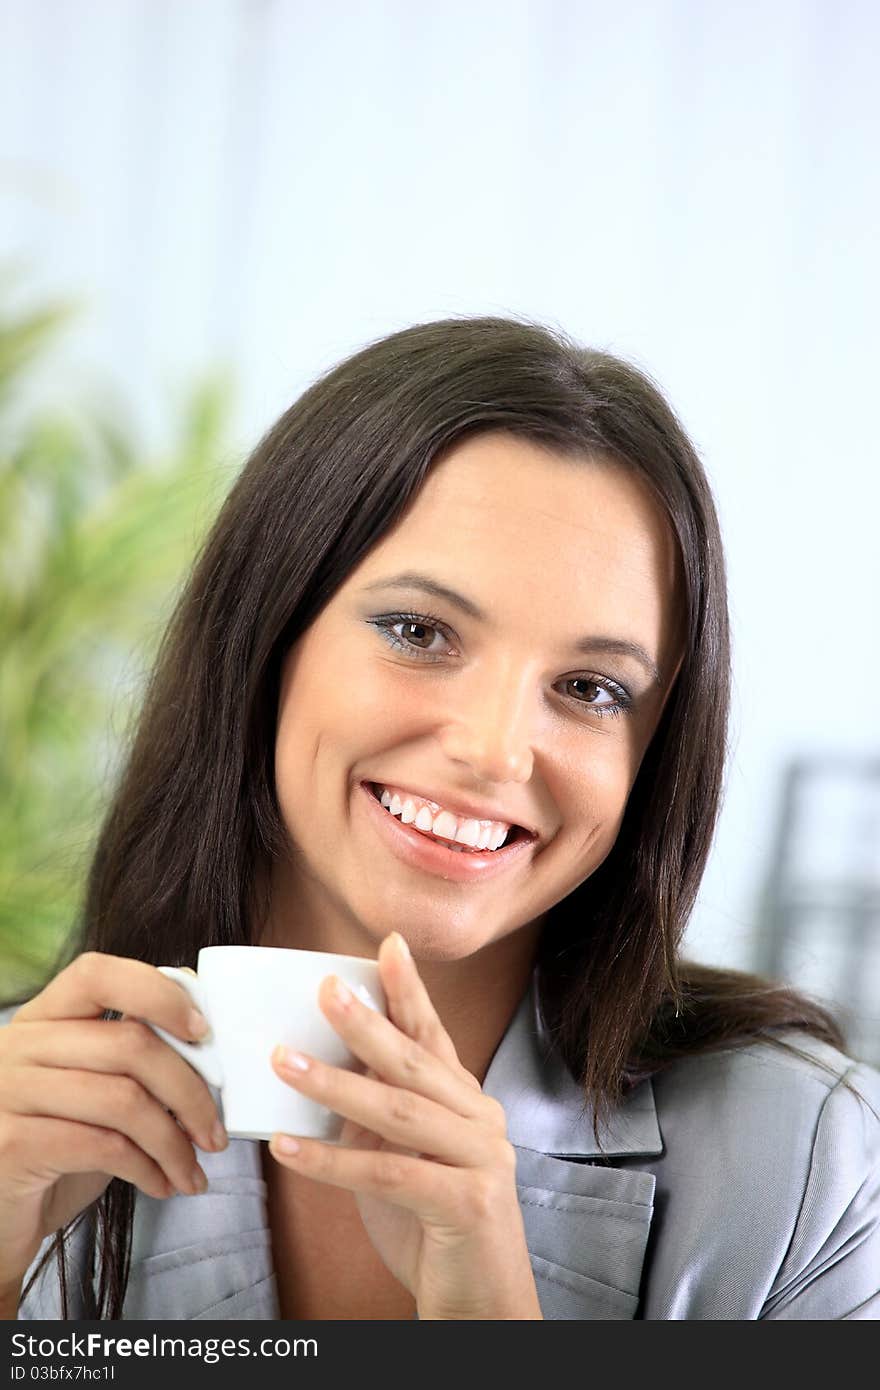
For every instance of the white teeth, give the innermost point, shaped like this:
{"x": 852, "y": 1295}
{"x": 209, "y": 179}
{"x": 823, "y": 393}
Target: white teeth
{"x": 468, "y": 833}
{"x": 445, "y": 825}
{"x": 464, "y": 832}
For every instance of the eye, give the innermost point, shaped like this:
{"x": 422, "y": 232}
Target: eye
{"x": 415, "y": 627}
{"x": 419, "y": 628}
{"x": 617, "y": 706}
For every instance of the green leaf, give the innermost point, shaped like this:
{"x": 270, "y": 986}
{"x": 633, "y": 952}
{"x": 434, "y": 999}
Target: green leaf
{"x": 95, "y": 542}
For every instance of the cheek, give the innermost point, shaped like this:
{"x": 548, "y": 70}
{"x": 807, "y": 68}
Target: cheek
{"x": 288, "y": 762}
{"x": 305, "y": 716}
{"x": 597, "y": 797}
{"x": 331, "y": 713}
{"x": 389, "y": 706}
{"x": 319, "y": 699}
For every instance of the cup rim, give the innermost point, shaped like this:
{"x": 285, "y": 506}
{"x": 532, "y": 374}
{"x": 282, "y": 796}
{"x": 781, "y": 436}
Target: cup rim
{"x": 294, "y": 950}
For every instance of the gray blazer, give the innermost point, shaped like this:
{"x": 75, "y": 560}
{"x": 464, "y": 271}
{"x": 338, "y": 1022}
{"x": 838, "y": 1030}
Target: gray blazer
{"x": 741, "y": 1184}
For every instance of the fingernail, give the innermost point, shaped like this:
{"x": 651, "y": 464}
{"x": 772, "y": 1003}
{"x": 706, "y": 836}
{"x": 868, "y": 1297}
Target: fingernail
{"x": 342, "y": 992}
{"x": 219, "y": 1137}
{"x": 401, "y": 947}
{"x": 286, "y": 1057}
{"x": 200, "y": 1178}
{"x": 285, "y": 1144}
{"x": 197, "y": 1024}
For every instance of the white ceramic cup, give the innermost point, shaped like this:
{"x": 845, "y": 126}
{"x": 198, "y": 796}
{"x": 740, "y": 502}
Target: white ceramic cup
{"x": 255, "y": 997}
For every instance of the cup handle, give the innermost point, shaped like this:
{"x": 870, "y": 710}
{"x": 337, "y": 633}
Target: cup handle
{"x": 203, "y": 1056}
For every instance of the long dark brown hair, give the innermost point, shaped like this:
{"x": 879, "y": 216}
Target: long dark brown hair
{"x": 193, "y": 822}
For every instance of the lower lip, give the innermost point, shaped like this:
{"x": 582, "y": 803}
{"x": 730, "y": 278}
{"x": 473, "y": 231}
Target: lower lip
{"x": 423, "y": 852}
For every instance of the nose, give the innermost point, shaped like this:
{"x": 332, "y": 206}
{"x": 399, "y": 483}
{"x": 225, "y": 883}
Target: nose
{"x": 490, "y": 727}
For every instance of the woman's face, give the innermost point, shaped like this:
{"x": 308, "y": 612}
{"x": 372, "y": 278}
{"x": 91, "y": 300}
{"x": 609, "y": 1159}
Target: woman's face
{"x": 504, "y": 702}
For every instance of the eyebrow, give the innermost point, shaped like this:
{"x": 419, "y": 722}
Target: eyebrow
{"x": 621, "y": 646}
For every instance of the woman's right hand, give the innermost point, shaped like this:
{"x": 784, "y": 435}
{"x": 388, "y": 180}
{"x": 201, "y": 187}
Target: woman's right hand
{"x": 84, "y": 1099}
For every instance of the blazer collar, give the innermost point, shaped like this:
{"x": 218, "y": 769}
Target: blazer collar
{"x": 545, "y": 1107}
{"x": 586, "y": 1224}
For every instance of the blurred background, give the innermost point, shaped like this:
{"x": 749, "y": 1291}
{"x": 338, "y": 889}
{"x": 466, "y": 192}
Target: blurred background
{"x": 204, "y": 204}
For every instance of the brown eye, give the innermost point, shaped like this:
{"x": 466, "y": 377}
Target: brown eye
{"x": 620, "y": 702}
{"x": 591, "y": 685}
{"x": 415, "y": 632}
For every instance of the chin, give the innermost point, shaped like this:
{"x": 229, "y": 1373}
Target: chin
{"x": 439, "y": 938}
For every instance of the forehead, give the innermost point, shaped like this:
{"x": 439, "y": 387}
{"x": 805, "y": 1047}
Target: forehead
{"x": 511, "y": 521}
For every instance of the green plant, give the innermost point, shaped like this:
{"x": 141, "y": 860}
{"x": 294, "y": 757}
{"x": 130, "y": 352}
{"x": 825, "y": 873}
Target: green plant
{"x": 94, "y": 541}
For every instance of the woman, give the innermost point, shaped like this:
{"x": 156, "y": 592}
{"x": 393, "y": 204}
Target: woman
{"x": 471, "y": 584}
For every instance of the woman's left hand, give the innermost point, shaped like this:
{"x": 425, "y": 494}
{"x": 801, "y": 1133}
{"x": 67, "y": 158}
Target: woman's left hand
{"x": 424, "y": 1151}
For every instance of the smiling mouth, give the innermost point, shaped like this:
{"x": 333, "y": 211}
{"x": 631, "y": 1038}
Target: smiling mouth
{"x": 516, "y": 832}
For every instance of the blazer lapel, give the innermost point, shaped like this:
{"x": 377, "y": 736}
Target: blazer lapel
{"x": 208, "y": 1256}
{"x": 586, "y": 1224}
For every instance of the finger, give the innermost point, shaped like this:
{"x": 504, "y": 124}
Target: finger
{"x": 409, "y": 1003}
{"x": 437, "y": 1194}
{"x": 95, "y": 982}
{"x": 31, "y": 1142}
{"x": 354, "y": 1135}
{"x": 127, "y": 1048}
{"x": 400, "y": 1116}
{"x": 403, "y": 1060}
{"x": 112, "y": 1103}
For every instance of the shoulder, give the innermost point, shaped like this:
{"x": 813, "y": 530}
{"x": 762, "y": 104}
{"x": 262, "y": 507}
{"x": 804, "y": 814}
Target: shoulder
{"x": 761, "y": 1105}
{"x": 796, "y": 1073}
{"x": 770, "y": 1176}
